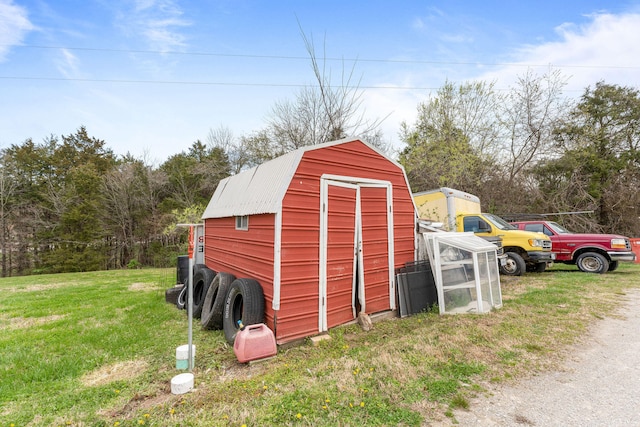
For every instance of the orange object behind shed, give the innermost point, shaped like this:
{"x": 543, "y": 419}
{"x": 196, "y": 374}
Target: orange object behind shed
{"x": 254, "y": 342}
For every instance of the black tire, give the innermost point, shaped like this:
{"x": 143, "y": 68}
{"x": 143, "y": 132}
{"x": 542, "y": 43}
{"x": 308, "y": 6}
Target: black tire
{"x": 539, "y": 267}
{"x": 592, "y": 262}
{"x": 171, "y": 295}
{"x": 201, "y": 281}
{"x": 244, "y": 302}
{"x": 213, "y": 306}
{"x": 181, "y": 303}
{"x": 613, "y": 265}
{"x": 198, "y": 267}
{"x": 514, "y": 265}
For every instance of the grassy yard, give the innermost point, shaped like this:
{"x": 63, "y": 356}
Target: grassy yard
{"x": 98, "y": 349}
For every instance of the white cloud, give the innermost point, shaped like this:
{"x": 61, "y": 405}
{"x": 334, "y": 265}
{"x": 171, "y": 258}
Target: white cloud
{"x": 163, "y": 35}
{"x": 418, "y": 24}
{"x": 159, "y": 22}
{"x": 393, "y": 105}
{"x": 67, "y": 64}
{"x": 456, "y": 38}
{"x": 607, "y": 48}
{"x": 14, "y": 25}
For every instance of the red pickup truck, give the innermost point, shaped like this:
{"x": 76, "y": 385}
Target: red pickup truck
{"x": 592, "y": 253}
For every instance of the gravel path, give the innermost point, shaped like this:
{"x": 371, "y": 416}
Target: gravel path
{"x": 598, "y": 386}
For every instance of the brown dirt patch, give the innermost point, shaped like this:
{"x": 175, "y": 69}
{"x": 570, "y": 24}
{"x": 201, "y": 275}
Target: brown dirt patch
{"x": 144, "y": 287}
{"x": 27, "y": 322}
{"x": 115, "y": 372}
{"x": 39, "y": 287}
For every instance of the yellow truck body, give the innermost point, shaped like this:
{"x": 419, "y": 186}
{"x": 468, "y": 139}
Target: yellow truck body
{"x": 461, "y": 211}
{"x": 445, "y": 205}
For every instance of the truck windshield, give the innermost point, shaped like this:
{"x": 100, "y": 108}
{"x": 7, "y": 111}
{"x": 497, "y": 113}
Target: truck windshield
{"x": 499, "y": 222}
{"x": 558, "y": 228}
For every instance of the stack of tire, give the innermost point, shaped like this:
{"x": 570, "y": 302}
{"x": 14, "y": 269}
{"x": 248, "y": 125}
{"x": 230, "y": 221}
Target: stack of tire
{"x": 221, "y": 301}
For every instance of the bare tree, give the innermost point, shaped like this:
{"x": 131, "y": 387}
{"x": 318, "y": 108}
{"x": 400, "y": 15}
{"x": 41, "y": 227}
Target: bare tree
{"x": 453, "y": 142}
{"x": 600, "y": 139}
{"x": 531, "y": 111}
{"x": 322, "y": 112}
{"x": 246, "y": 151}
{"x": 221, "y": 137}
{"x": 131, "y": 194}
{"x": 8, "y": 189}
{"x": 120, "y": 205}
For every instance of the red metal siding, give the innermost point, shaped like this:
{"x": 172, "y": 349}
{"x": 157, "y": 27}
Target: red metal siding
{"x": 358, "y": 160}
{"x": 375, "y": 248}
{"x": 340, "y": 254}
{"x": 251, "y": 253}
{"x": 246, "y": 254}
{"x": 298, "y": 315}
{"x": 300, "y": 251}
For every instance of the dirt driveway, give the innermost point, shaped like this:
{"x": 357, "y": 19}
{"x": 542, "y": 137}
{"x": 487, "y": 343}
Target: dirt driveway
{"x": 598, "y": 386}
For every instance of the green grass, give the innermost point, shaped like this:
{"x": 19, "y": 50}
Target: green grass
{"x": 98, "y": 349}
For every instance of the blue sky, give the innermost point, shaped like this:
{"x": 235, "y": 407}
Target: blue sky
{"x": 150, "y": 77}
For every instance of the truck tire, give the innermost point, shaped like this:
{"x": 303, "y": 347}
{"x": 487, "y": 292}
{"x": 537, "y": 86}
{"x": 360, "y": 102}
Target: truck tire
{"x": 213, "y": 306}
{"x": 592, "y": 262}
{"x": 201, "y": 281}
{"x": 244, "y": 302}
{"x": 171, "y": 295}
{"x": 539, "y": 267}
{"x": 514, "y": 265}
{"x": 196, "y": 268}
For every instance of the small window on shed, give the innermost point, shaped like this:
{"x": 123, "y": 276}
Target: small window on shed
{"x": 242, "y": 222}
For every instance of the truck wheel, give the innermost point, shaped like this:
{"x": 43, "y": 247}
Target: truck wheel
{"x": 613, "y": 265}
{"x": 540, "y": 267}
{"x": 201, "y": 281}
{"x": 514, "y": 265}
{"x": 244, "y": 302}
{"x": 592, "y": 262}
{"x": 213, "y": 306}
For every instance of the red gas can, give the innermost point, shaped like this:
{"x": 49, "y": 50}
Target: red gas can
{"x": 254, "y": 342}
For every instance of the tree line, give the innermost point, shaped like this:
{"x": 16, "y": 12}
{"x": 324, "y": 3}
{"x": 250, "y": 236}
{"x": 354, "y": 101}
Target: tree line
{"x": 532, "y": 150}
{"x": 70, "y": 204}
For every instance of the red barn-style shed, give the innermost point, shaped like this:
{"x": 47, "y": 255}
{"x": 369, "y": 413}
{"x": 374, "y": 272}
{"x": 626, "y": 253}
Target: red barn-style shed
{"x": 322, "y": 230}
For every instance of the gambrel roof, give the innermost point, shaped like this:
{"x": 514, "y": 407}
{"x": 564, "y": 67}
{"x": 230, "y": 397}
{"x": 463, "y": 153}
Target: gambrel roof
{"x": 260, "y": 190}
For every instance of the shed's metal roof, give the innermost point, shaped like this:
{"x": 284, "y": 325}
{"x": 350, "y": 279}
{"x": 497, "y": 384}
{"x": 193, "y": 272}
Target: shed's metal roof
{"x": 261, "y": 189}
{"x": 255, "y": 191}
